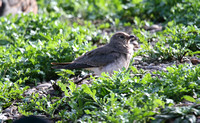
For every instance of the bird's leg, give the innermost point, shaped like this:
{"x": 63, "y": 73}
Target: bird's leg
{"x": 79, "y": 81}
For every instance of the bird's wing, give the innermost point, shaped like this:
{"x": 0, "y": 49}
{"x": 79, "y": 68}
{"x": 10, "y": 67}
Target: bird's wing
{"x": 98, "y": 57}
{"x": 95, "y": 58}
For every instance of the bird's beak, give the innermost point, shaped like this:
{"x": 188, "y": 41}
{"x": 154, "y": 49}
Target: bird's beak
{"x": 133, "y": 39}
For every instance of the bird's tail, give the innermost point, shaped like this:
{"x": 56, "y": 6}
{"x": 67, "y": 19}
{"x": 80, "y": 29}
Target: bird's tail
{"x": 69, "y": 65}
{"x": 62, "y": 65}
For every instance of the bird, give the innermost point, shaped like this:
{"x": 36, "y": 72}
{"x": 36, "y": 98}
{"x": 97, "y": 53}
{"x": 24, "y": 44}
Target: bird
{"x": 108, "y": 58}
{"x": 17, "y": 6}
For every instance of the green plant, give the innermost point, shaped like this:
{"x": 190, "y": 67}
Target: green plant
{"x": 64, "y": 30}
{"x": 38, "y": 42}
{"x": 175, "y": 43}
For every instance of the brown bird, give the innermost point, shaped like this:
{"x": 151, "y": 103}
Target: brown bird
{"x": 108, "y": 58}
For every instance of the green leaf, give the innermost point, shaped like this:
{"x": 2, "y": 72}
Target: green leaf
{"x": 4, "y": 42}
{"x": 87, "y": 90}
{"x": 189, "y": 98}
{"x": 72, "y": 86}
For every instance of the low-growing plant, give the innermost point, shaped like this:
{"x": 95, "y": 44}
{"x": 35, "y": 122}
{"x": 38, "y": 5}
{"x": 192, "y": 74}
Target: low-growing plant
{"x": 111, "y": 99}
{"x": 175, "y": 43}
{"x": 10, "y": 92}
{"x": 62, "y": 31}
{"x": 41, "y": 40}
{"x": 178, "y": 114}
{"x": 178, "y": 81}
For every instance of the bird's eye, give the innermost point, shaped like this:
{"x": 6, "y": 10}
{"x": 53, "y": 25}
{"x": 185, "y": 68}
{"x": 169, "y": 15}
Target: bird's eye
{"x": 122, "y": 37}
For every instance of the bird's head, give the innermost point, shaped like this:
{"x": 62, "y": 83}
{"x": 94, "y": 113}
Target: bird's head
{"x": 124, "y": 39}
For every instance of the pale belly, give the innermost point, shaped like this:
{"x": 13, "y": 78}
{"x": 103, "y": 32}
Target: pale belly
{"x": 115, "y": 66}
